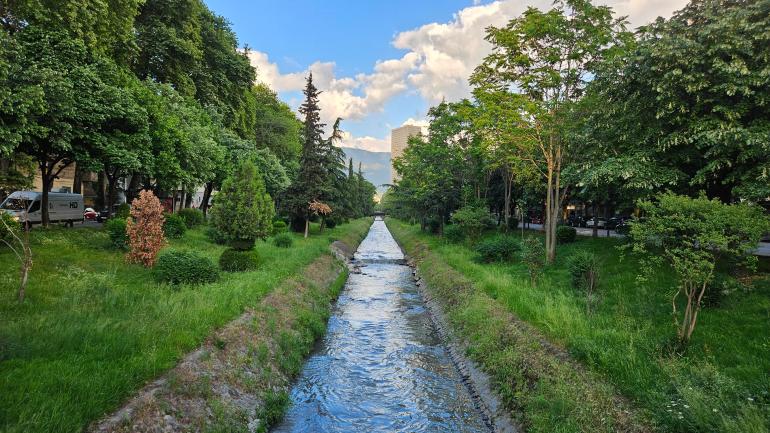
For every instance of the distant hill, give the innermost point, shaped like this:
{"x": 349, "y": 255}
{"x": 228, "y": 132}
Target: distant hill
{"x": 375, "y": 165}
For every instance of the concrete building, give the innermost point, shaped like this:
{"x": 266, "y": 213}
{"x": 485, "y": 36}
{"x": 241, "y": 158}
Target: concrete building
{"x": 399, "y": 139}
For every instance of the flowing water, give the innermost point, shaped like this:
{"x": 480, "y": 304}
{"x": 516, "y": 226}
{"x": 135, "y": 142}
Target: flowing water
{"x": 381, "y": 366}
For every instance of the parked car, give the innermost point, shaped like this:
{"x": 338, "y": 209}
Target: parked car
{"x": 576, "y": 221}
{"x": 597, "y": 222}
{"x": 614, "y": 222}
{"x": 24, "y": 206}
{"x": 90, "y": 214}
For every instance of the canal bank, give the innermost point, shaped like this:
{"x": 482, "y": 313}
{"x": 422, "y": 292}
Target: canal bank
{"x": 239, "y": 379}
{"x": 538, "y": 384}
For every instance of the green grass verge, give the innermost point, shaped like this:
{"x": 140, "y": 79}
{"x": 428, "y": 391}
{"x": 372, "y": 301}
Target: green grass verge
{"x": 93, "y": 329}
{"x": 720, "y": 383}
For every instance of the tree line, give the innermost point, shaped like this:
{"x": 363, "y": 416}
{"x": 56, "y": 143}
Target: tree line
{"x": 156, "y": 92}
{"x": 571, "y": 105}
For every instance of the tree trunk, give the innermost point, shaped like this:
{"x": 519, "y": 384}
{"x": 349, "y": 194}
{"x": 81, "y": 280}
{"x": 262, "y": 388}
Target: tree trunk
{"x": 207, "y": 190}
{"x": 112, "y": 187}
{"x": 550, "y": 254}
{"x": 47, "y": 177}
{"x": 508, "y": 183}
{"x": 188, "y": 200}
{"x": 307, "y": 226}
{"x": 133, "y": 186}
{"x": 595, "y": 228}
{"x": 101, "y": 191}
{"x": 77, "y": 182}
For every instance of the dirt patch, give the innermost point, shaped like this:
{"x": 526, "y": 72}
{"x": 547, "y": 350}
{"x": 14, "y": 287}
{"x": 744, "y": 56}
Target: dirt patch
{"x": 239, "y": 378}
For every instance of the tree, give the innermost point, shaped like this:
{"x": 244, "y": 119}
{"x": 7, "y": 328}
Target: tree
{"x": 691, "y": 235}
{"x": 688, "y": 104}
{"x": 144, "y": 229}
{"x": 549, "y": 57}
{"x": 276, "y": 126}
{"x": 243, "y": 211}
{"x": 77, "y": 112}
{"x": 432, "y": 170}
{"x": 312, "y": 182}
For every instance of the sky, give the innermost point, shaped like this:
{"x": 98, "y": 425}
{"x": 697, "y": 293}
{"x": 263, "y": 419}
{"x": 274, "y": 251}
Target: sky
{"x": 381, "y": 63}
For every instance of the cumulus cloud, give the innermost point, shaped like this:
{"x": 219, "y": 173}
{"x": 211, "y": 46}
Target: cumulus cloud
{"x": 372, "y": 144}
{"x": 438, "y": 59}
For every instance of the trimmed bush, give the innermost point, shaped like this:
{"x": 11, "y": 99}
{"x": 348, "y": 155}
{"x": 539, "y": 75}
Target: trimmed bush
{"x": 283, "y": 240}
{"x": 497, "y": 249}
{"x": 174, "y": 227}
{"x": 116, "y": 230}
{"x": 192, "y": 217}
{"x": 565, "y": 234}
{"x": 123, "y": 211}
{"x": 185, "y": 267}
{"x": 279, "y": 226}
{"x": 233, "y": 260}
{"x": 216, "y": 236}
{"x": 10, "y": 223}
{"x": 453, "y": 233}
{"x": 533, "y": 255}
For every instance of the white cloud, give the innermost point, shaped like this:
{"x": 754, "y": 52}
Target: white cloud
{"x": 372, "y": 144}
{"x": 438, "y": 59}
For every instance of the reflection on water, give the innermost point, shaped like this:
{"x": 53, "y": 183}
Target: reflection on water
{"x": 381, "y": 366}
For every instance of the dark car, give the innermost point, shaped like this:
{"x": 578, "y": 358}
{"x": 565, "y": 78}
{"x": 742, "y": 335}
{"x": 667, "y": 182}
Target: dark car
{"x": 616, "y": 221}
{"x": 576, "y": 221}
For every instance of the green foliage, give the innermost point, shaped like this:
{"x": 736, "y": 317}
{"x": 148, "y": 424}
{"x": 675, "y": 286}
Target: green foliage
{"x": 243, "y": 211}
{"x": 533, "y": 256}
{"x": 192, "y": 217}
{"x": 215, "y": 236}
{"x": 283, "y": 240}
{"x": 233, "y": 260}
{"x": 454, "y": 233}
{"x": 279, "y": 226}
{"x": 185, "y": 267}
{"x": 690, "y": 235}
{"x": 174, "y": 226}
{"x": 472, "y": 220}
{"x": 433, "y": 225}
{"x": 584, "y": 269}
{"x": 8, "y": 224}
{"x": 116, "y": 231}
{"x": 498, "y": 248}
{"x": 330, "y": 222}
{"x": 123, "y": 211}
{"x": 686, "y": 107}
{"x": 565, "y": 234}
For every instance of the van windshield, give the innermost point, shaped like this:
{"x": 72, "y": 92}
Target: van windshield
{"x": 16, "y": 204}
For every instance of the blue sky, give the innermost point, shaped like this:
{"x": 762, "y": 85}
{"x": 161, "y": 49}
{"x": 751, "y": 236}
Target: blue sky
{"x": 381, "y": 63}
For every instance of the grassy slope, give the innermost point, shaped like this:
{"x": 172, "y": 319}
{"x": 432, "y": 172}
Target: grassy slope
{"x": 94, "y": 329}
{"x": 720, "y": 384}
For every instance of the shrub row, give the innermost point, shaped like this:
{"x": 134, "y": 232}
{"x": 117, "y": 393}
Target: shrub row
{"x": 233, "y": 260}
{"x": 192, "y": 217}
{"x": 497, "y": 249}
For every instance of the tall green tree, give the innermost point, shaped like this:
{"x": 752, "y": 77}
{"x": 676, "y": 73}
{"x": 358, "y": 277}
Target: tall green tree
{"x": 80, "y": 111}
{"x": 312, "y": 182}
{"x": 549, "y": 57}
{"x": 689, "y": 103}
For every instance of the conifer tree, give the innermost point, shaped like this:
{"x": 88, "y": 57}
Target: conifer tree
{"x": 312, "y": 182}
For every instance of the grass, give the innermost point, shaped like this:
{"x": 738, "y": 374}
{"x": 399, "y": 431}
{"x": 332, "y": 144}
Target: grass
{"x": 93, "y": 330}
{"x": 720, "y": 383}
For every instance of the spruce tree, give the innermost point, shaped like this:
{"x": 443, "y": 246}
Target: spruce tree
{"x": 312, "y": 182}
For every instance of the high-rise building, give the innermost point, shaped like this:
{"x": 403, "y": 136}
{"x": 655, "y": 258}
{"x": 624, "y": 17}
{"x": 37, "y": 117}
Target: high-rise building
{"x": 399, "y": 139}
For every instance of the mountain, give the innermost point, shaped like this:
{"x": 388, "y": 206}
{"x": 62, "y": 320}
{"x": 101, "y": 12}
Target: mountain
{"x": 375, "y": 165}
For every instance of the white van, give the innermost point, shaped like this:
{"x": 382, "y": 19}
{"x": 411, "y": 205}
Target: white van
{"x": 62, "y": 207}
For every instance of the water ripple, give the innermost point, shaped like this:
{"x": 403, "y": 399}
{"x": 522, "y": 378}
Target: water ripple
{"x": 381, "y": 366}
